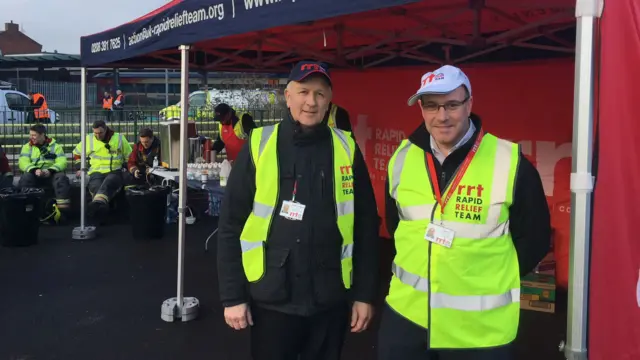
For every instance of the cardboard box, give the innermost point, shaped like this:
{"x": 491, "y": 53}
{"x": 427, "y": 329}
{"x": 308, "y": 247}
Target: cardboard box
{"x": 538, "y": 289}
{"x": 543, "y": 306}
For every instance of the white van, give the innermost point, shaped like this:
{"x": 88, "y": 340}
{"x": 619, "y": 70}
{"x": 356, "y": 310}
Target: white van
{"x": 16, "y": 106}
{"x": 237, "y": 99}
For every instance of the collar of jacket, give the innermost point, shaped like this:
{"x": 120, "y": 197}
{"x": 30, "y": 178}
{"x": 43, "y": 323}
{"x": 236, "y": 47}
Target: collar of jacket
{"x": 108, "y": 135}
{"x": 292, "y": 128}
{"x": 47, "y": 141}
{"x": 154, "y": 144}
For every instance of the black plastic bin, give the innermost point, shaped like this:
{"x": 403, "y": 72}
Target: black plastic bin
{"x": 20, "y": 211}
{"x": 148, "y": 209}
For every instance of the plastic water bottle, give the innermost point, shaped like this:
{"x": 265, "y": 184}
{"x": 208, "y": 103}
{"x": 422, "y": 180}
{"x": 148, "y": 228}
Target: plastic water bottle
{"x": 225, "y": 170}
{"x": 155, "y": 162}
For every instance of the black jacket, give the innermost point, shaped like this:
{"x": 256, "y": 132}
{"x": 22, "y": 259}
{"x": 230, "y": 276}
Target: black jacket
{"x": 247, "y": 125}
{"x": 342, "y": 118}
{"x": 303, "y": 265}
{"x": 529, "y": 219}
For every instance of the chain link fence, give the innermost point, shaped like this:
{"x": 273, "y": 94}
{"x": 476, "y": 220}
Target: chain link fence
{"x": 58, "y": 94}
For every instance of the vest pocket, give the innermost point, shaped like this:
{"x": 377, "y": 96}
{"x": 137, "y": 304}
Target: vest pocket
{"x": 274, "y": 287}
{"x": 329, "y": 287}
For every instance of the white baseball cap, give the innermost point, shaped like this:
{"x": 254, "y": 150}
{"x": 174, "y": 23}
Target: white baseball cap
{"x": 441, "y": 81}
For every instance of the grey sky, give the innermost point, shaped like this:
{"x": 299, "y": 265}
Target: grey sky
{"x": 59, "y": 24}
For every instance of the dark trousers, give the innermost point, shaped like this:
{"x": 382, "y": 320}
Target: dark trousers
{"x": 59, "y": 182}
{"x": 399, "y": 338}
{"x": 105, "y": 186}
{"x": 279, "y": 336}
{"x": 107, "y": 115}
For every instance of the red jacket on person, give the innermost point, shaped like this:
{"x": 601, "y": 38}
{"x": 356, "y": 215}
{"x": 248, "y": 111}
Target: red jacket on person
{"x": 142, "y": 158}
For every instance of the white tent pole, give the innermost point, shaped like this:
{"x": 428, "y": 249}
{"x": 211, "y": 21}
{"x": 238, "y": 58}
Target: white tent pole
{"x": 83, "y": 135}
{"x": 180, "y": 307}
{"x": 182, "y": 194}
{"x": 83, "y": 232}
{"x": 166, "y": 87}
{"x": 581, "y": 180}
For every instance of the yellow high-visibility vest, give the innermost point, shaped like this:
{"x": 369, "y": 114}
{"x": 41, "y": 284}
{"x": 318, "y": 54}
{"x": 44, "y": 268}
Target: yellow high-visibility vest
{"x": 263, "y": 142}
{"x": 331, "y": 121}
{"x": 32, "y": 158}
{"x": 468, "y": 295}
{"x": 103, "y": 160}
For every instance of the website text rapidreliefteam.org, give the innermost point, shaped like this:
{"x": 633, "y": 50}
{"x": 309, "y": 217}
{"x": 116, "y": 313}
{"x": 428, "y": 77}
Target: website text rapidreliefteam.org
{"x": 213, "y": 12}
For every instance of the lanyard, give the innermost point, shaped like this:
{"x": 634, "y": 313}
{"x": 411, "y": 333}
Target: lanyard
{"x": 456, "y": 181}
{"x": 295, "y": 189}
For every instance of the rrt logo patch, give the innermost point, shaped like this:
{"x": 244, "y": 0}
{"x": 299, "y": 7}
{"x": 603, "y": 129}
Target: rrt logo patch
{"x": 347, "y": 180}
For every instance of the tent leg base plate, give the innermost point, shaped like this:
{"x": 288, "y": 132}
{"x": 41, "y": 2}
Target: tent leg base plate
{"x": 84, "y": 233}
{"x": 171, "y": 312}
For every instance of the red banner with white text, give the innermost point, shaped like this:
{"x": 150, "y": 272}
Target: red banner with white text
{"x": 528, "y": 103}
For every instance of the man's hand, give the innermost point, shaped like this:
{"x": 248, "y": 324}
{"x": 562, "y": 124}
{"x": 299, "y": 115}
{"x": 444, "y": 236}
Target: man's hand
{"x": 361, "y": 315}
{"x": 38, "y": 172}
{"x": 46, "y": 173}
{"x": 136, "y": 174}
{"x": 79, "y": 174}
{"x": 238, "y": 316}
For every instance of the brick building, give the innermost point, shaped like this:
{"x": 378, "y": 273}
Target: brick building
{"x": 13, "y": 41}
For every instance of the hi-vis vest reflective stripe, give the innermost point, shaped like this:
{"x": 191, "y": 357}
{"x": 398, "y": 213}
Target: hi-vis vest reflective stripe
{"x": 103, "y": 160}
{"x": 467, "y": 295}
{"x": 256, "y": 230}
{"x": 332, "y": 116}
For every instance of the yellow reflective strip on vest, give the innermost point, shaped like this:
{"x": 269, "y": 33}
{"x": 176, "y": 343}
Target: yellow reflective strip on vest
{"x": 417, "y": 282}
{"x": 249, "y": 245}
{"x": 262, "y": 210}
{"x": 416, "y": 212}
{"x": 266, "y": 135}
{"x": 331, "y": 122}
{"x": 401, "y": 154}
{"x": 345, "y": 208}
{"x": 98, "y": 157}
{"x": 343, "y": 141}
{"x": 456, "y": 302}
{"x": 347, "y": 251}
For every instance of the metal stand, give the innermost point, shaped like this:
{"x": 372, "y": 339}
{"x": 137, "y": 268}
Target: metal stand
{"x": 172, "y": 312}
{"x": 179, "y": 307}
{"x": 83, "y": 232}
{"x": 206, "y": 243}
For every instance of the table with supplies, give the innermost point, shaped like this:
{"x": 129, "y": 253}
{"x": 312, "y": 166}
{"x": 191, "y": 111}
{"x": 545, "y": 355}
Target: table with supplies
{"x": 213, "y": 194}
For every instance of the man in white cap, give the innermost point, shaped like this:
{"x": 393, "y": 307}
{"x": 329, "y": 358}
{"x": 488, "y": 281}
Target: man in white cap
{"x": 468, "y": 216}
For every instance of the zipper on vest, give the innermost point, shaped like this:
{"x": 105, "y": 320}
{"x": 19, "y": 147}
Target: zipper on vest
{"x": 433, "y": 212}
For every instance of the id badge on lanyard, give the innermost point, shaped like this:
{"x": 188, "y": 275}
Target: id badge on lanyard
{"x": 292, "y": 210}
{"x": 438, "y": 233}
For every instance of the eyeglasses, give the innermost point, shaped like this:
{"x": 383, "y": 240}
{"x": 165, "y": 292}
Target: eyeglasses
{"x": 448, "y": 106}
